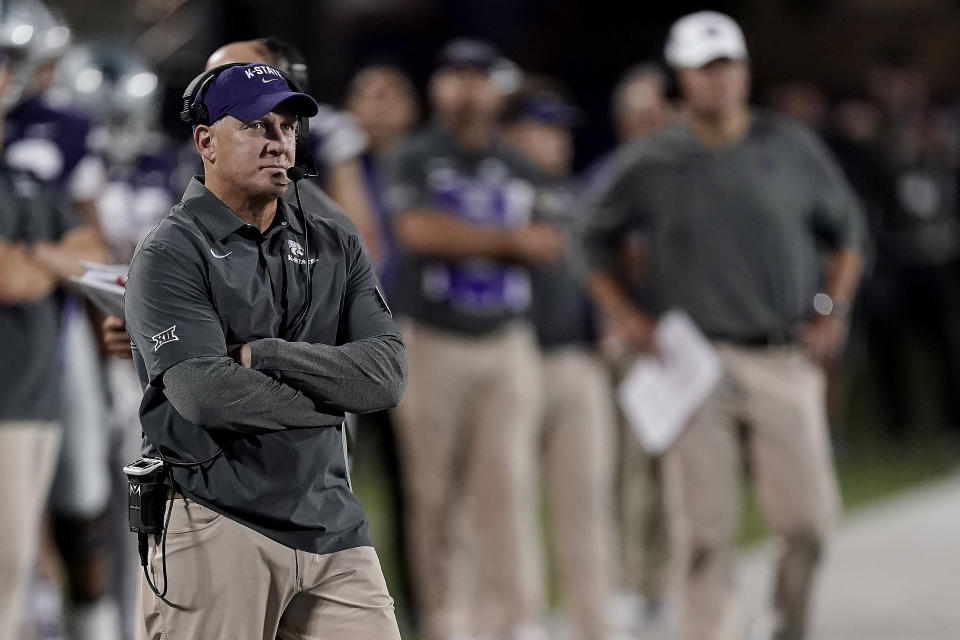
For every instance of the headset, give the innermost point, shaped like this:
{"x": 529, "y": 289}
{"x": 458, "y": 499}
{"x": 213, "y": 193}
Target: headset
{"x": 194, "y": 112}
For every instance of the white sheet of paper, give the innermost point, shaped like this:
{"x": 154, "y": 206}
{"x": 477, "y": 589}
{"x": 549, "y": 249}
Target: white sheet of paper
{"x": 661, "y": 393}
{"x": 100, "y": 283}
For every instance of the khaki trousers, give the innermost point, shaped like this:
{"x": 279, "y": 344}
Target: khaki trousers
{"x": 28, "y": 453}
{"x": 466, "y": 433}
{"x": 578, "y": 464}
{"x": 229, "y": 582}
{"x": 779, "y": 396}
{"x": 644, "y": 539}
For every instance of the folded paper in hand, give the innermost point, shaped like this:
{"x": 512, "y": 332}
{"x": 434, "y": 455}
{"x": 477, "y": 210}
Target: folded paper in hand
{"x": 662, "y": 392}
{"x": 103, "y": 285}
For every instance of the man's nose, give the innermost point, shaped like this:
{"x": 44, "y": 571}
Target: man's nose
{"x": 277, "y": 143}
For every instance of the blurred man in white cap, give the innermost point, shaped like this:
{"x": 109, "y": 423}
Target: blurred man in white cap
{"x": 739, "y": 205}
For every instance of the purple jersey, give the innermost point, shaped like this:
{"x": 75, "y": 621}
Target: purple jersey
{"x": 139, "y": 189}
{"x": 52, "y": 144}
{"x": 493, "y": 188}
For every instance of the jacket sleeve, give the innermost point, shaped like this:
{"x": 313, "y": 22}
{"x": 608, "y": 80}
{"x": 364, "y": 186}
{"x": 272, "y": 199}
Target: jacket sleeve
{"x": 216, "y": 393}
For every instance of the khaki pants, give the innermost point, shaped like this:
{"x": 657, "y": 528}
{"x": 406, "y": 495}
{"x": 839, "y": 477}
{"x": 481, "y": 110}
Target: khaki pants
{"x": 28, "y": 452}
{"x": 644, "y": 539}
{"x": 228, "y": 581}
{"x": 778, "y": 394}
{"x": 466, "y": 432}
{"x": 578, "y": 463}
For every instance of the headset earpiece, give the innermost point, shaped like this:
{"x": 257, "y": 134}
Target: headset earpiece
{"x": 194, "y": 111}
{"x": 305, "y": 159}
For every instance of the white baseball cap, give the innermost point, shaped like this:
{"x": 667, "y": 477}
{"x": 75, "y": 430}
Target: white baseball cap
{"x": 703, "y": 37}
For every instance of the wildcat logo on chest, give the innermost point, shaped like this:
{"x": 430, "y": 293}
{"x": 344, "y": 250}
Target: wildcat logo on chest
{"x": 297, "y": 254}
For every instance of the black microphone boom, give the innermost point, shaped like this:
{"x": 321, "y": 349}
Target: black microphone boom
{"x": 296, "y": 173}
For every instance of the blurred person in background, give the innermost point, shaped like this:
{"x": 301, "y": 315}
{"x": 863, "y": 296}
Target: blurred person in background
{"x": 122, "y": 93}
{"x": 577, "y": 427}
{"x": 803, "y": 101}
{"x": 851, "y": 131}
{"x": 336, "y": 141}
{"x": 739, "y": 204}
{"x": 41, "y": 243}
{"x": 639, "y": 106}
{"x": 912, "y": 295}
{"x": 53, "y": 144}
{"x": 463, "y": 206}
{"x": 383, "y": 101}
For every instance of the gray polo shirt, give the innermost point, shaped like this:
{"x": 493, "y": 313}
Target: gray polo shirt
{"x": 203, "y": 280}
{"x": 29, "y": 375}
{"x": 495, "y": 187}
{"x": 313, "y": 198}
{"x": 735, "y": 231}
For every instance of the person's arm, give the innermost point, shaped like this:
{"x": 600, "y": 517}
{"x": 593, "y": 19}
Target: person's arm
{"x": 29, "y": 273}
{"x": 345, "y": 185}
{"x": 424, "y": 229}
{"x": 610, "y": 210}
{"x": 64, "y": 256}
{"x": 625, "y": 322}
{"x": 826, "y": 334}
{"x": 844, "y": 267}
{"x": 366, "y": 370}
{"x": 838, "y": 220}
{"x": 22, "y": 278}
{"x": 216, "y": 393}
{"x": 358, "y": 377}
{"x": 434, "y": 234}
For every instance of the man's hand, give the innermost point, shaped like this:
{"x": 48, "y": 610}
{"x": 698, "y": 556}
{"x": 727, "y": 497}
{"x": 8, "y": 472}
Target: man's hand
{"x": 627, "y": 327}
{"x": 240, "y": 354}
{"x": 116, "y": 340}
{"x": 825, "y": 337}
{"x": 538, "y": 244}
{"x": 632, "y": 327}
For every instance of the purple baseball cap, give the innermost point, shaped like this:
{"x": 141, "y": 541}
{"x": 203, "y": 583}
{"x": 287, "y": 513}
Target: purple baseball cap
{"x": 542, "y": 106}
{"x": 251, "y": 91}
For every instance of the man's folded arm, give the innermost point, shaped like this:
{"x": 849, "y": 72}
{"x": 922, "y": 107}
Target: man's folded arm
{"x": 216, "y": 393}
{"x": 364, "y": 375}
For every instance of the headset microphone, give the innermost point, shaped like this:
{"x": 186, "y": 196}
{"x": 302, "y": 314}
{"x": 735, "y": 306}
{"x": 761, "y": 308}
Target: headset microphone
{"x": 295, "y": 174}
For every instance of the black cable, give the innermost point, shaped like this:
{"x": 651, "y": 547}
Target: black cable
{"x": 174, "y": 463}
{"x": 295, "y": 174}
{"x": 143, "y": 545}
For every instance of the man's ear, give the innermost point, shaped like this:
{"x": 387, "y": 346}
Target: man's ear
{"x": 203, "y": 138}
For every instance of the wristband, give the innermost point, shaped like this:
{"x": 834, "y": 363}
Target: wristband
{"x": 827, "y": 306}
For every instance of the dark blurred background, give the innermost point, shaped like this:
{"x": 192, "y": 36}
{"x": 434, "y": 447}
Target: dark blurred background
{"x": 587, "y": 44}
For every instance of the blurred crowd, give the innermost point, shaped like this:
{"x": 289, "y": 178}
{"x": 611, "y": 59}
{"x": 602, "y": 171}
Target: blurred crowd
{"x": 513, "y": 366}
